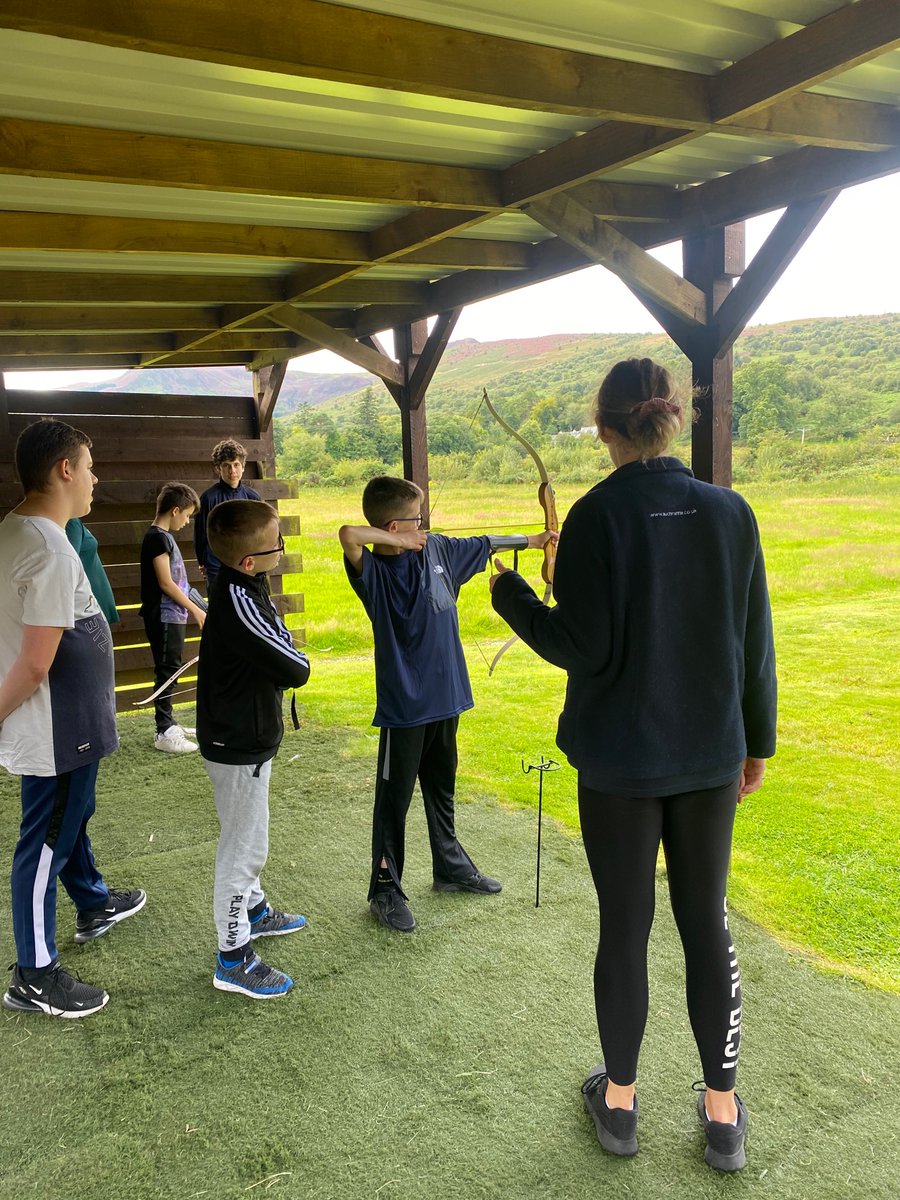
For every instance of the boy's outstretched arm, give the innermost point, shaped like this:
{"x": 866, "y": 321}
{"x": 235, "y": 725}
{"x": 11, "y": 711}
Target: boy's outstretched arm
{"x": 354, "y": 537}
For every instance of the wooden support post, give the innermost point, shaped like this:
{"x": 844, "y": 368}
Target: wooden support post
{"x": 267, "y": 383}
{"x": 711, "y": 260}
{"x": 409, "y": 342}
{"x": 419, "y": 353}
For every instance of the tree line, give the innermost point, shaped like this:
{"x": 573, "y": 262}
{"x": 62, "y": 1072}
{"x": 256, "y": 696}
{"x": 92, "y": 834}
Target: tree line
{"x": 802, "y": 393}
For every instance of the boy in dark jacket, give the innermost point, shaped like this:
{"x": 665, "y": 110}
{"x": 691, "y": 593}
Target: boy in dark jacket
{"x": 247, "y": 659}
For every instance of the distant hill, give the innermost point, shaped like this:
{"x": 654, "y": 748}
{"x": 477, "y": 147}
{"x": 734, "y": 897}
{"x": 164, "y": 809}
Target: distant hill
{"x": 300, "y": 387}
{"x": 852, "y": 351}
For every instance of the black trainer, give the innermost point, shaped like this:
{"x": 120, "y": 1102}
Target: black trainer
{"x": 616, "y": 1127}
{"x": 94, "y": 922}
{"x": 476, "y": 882}
{"x": 392, "y": 911}
{"x": 724, "y": 1141}
{"x": 53, "y": 991}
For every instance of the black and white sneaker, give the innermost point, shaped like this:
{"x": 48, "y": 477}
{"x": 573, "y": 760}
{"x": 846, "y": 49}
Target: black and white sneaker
{"x": 724, "y": 1141}
{"x": 52, "y": 991}
{"x": 94, "y": 922}
{"x": 251, "y": 977}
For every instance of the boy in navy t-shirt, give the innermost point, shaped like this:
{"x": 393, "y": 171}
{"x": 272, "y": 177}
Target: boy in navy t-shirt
{"x": 408, "y": 584}
{"x": 165, "y": 605}
{"x": 229, "y": 458}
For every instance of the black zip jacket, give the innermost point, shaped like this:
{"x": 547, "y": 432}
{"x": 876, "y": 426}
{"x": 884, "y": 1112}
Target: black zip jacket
{"x": 247, "y": 659}
{"x": 663, "y": 625}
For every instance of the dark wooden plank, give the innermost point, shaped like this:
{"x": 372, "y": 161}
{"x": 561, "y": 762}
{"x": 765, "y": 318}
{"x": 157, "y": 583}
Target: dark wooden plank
{"x": 134, "y": 404}
{"x": 144, "y": 492}
{"x": 125, "y": 533}
{"x": 124, "y": 577}
{"x": 172, "y": 433}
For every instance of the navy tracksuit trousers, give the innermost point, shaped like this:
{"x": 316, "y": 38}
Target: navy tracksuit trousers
{"x": 53, "y": 844}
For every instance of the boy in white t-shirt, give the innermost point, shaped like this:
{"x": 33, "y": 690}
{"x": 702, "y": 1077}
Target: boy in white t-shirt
{"x": 57, "y": 719}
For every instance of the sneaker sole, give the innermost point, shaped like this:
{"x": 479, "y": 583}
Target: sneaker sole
{"x": 88, "y": 935}
{"x": 175, "y": 749}
{"x": 725, "y": 1162}
{"x": 20, "y": 1005}
{"x": 448, "y": 886}
{"x": 623, "y": 1147}
{"x": 225, "y": 985}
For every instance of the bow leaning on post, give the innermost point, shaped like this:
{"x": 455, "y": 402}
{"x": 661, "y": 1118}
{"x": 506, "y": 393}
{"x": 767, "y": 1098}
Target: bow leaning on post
{"x": 547, "y": 500}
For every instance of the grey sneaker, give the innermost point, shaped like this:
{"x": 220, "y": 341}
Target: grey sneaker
{"x": 251, "y": 977}
{"x": 391, "y": 910}
{"x": 616, "y": 1127}
{"x": 270, "y": 923}
{"x": 724, "y": 1142}
{"x": 52, "y": 991}
{"x": 94, "y": 922}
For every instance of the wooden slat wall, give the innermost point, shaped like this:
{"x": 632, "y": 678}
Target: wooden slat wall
{"x": 139, "y": 443}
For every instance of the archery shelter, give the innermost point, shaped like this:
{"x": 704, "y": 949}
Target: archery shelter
{"x": 211, "y": 183}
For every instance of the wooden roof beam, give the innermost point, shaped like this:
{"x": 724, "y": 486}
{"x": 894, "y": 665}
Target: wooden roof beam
{"x": 51, "y": 151}
{"x": 599, "y": 241}
{"x": 765, "y": 186}
{"x": 139, "y": 235}
{"x": 41, "y": 319}
{"x": 127, "y": 288}
{"x": 843, "y": 39}
{"x": 427, "y": 59}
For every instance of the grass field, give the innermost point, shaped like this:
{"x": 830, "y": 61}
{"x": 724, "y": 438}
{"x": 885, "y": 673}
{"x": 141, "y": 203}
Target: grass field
{"x": 815, "y": 851}
{"x": 446, "y": 1065}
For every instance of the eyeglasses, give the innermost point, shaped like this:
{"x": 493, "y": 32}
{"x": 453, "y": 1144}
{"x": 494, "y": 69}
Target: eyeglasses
{"x": 279, "y": 549}
{"x": 418, "y": 520}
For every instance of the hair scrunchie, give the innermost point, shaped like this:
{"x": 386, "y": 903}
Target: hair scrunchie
{"x": 657, "y": 404}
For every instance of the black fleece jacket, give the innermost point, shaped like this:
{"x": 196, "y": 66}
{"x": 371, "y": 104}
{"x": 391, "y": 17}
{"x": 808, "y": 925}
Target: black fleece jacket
{"x": 662, "y": 622}
{"x": 247, "y": 659}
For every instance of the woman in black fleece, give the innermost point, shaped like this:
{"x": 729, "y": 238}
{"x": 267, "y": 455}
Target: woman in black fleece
{"x": 662, "y": 623}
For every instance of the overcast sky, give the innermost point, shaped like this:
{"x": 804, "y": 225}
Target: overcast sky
{"x": 850, "y": 265}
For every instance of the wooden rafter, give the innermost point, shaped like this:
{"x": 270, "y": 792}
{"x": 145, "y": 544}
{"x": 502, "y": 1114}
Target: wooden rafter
{"x": 417, "y": 57}
{"x": 843, "y": 39}
{"x": 266, "y": 386}
{"x": 162, "y": 160}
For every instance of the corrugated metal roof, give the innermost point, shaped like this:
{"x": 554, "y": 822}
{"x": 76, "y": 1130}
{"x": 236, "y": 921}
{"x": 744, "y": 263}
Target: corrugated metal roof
{"x": 82, "y": 82}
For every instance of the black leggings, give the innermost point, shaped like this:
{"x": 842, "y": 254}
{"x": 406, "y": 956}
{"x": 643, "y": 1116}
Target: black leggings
{"x": 621, "y": 838}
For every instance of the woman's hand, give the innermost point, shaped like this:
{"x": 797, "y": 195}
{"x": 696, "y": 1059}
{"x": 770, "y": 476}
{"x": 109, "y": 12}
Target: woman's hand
{"x": 537, "y": 541}
{"x": 751, "y": 776}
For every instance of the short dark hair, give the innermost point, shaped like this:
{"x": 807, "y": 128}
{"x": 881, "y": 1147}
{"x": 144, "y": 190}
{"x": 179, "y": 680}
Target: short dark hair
{"x": 41, "y": 446}
{"x": 227, "y": 451}
{"x": 176, "y": 495}
{"x": 383, "y": 494}
{"x": 234, "y": 528}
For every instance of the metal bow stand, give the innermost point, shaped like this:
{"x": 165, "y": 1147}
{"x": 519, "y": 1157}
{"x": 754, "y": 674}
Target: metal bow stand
{"x": 541, "y": 767}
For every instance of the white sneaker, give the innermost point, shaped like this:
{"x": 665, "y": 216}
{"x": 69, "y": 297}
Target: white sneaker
{"x": 174, "y": 741}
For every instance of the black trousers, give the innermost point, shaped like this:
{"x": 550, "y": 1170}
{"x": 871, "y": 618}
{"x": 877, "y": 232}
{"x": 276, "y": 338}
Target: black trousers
{"x": 427, "y": 753}
{"x": 622, "y": 836}
{"x": 167, "y": 646}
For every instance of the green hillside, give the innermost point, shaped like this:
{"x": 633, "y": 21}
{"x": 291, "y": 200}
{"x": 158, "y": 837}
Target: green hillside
{"x": 798, "y": 387}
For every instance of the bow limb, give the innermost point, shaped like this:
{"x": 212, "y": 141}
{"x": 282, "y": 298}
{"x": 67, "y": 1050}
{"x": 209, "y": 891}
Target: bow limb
{"x": 547, "y": 500}
{"x": 168, "y": 683}
{"x": 546, "y": 496}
